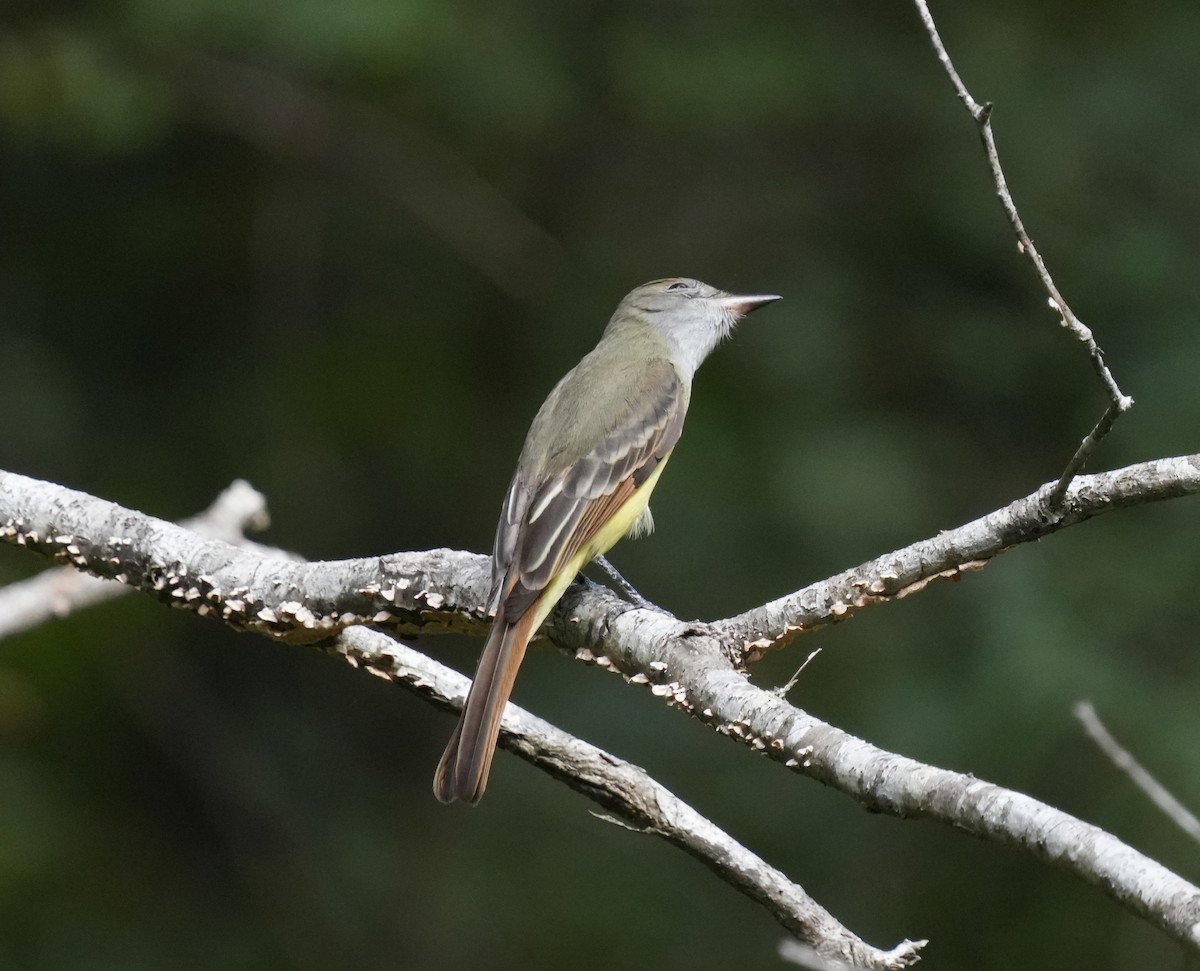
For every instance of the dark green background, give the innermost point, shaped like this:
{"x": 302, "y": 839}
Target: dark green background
{"x": 253, "y": 239}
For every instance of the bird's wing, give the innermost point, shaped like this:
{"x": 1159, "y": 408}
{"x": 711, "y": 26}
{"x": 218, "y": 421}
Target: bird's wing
{"x": 547, "y": 522}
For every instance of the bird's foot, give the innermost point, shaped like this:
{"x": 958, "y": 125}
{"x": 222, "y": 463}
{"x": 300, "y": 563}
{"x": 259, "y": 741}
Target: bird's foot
{"x": 626, "y": 587}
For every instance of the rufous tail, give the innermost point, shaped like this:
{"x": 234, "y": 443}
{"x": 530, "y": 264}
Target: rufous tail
{"x": 463, "y": 771}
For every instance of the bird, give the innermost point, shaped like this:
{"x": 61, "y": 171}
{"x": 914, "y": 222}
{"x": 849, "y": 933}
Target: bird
{"x": 591, "y": 459}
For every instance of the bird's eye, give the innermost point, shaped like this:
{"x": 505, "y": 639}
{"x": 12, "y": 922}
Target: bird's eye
{"x": 678, "y": 285}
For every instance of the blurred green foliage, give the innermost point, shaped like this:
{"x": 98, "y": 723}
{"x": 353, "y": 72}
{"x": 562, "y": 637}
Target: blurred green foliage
{"x": 232, "y": 244}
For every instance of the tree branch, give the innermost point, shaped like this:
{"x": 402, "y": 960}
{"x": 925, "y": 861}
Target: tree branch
{"x": 688, "y": 665}
{"x": 1154, "y": 790}
{"x": 981, "y": 114}
{"x": 638, "y": 802}
{"x": 948, "y": 555}
{"x": 625, "y": 790}
{"x": 250, "y": 589}
{"x": 692, "y": 671}
{"x": 240, "y": 508}
{"x": 702, "y": 681}
{"x": 438, "y": 591}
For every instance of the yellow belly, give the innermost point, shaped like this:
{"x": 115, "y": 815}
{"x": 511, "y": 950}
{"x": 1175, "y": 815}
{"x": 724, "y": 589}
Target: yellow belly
{"x": 620, "y": 523}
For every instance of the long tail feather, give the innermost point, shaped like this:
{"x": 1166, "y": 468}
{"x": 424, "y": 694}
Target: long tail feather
{"x": 463, "y": 771}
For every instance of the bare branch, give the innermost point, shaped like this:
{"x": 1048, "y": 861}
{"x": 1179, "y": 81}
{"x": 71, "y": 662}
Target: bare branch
{"x": 55, "y": 593}
{"x": 948, "y": 555}
{"x": 627, "y": 791}
{"x": 981, "y": 114}
{"x": 250, "y": 589}
{"x": 438, "y": 591}
{"x": 691, "y": 670}
{"x": 618, "y": 786}
{"x": 688, "y": 665}
{"x": 1178, "y": 813}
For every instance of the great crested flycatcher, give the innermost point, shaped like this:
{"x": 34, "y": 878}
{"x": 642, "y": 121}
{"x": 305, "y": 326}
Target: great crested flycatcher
{"x": 584, "y": 478}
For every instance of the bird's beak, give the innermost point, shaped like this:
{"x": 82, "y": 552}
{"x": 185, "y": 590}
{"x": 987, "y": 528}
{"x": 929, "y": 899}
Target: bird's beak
{"x": 742, "y": 305}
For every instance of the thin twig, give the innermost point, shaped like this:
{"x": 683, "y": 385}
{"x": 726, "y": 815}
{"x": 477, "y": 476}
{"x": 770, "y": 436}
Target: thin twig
{"x": 785, "y": 689}
{"x": 981, "y": 114}
{"x": 1179, "y": 814}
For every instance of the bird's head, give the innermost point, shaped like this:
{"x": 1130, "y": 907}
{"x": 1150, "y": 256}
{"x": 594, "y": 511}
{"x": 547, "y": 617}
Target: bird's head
{"x": 692, "y": 316}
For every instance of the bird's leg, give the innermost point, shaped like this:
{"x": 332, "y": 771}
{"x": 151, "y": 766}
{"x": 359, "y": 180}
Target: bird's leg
{"x": 626, "y": 587}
